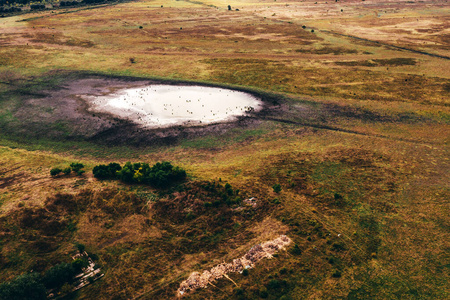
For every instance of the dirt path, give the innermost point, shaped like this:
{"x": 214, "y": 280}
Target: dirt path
{"x": 388, "y": 45}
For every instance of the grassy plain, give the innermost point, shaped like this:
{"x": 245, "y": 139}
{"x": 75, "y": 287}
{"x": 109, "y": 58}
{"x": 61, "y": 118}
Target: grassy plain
{"x": 359, "y": 144}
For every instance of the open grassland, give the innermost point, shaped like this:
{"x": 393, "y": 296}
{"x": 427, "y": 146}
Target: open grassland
{"x": 357, "y": 138}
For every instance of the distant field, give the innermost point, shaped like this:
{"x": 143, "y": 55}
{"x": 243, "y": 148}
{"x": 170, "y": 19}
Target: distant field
{"x": 355, "y": 132}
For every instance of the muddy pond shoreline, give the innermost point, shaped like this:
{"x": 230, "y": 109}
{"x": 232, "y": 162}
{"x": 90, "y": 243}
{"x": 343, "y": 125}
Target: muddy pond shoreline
{"x": 59, "y": 112}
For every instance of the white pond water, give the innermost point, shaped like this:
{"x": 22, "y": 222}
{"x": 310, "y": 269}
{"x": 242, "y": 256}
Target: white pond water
{"x": 167, "y": 105}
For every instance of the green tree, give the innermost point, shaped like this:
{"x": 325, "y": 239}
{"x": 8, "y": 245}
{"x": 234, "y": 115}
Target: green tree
{"x": 78, "y": 264}
{"x": 113, "y": 168}
{"x": 24, "y": 287}
{"x": 80, "y": 247}
{"x": 127, "y": 173}
{"x": 56, "y": 276}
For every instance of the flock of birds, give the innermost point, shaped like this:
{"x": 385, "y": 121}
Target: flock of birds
{"x": 157, "y": 106}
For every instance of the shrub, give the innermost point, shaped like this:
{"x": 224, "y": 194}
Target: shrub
{"x": 245, "y": 272}
{"x": 58, "y": 275}
{"x": 339, "y": 246}
{"x": 76, "y": 167}
{"x": 276, "y": 188}
{"x": 101, "y": 172}
{"x": 229, "y": 189}
{"x": 68, "y": 3}
{"x": 296, "y": 250}
{"x": 78, "y": 264}
{"x": 37, "y": 6}
{"x": 114, "y": 168}
{"x": 337, "y": 274}
{"x": 263, "y": 293}
{"x": 338, "y": 196}
{"x": 66, "y": 288}
{"x": 80, "y": 247}
{"x": 67, "y": 171}
{"x": 127, "y": 172}
{"x": 55, "y": 171}
{"x": 274, "y": 284}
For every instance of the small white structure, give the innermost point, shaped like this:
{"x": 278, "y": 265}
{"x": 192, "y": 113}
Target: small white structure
{"x": 89, "y": 274}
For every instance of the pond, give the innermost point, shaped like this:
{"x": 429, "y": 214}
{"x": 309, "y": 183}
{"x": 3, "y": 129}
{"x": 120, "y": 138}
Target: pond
{"x": 157, "y": 106}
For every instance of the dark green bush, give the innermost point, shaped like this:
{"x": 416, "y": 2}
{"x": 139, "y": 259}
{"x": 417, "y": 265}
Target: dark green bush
{"x": 276, "y": 188}
{"x": 55, "y": 171}
{"x": 339, "y": 246}
{"x": 76, "y": 167}
{"x": 56, "y": 276}
{"x": 37, "y": 6}
{"x": 78, "y": 264}
{"x": 337, "y": 274}
{"x": 274, "y": 284}
{"x": 127, "y": 173}
{"x": 67, "y": 171}
{"x": 80, "y": 247}
{"x": 113, "y": 168}
{"x": 338, "y": 196}
{"x": 106, "y": 171}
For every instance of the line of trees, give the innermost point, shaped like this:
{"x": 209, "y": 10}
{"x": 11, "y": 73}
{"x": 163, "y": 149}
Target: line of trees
{"x": 160, "y": 175}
